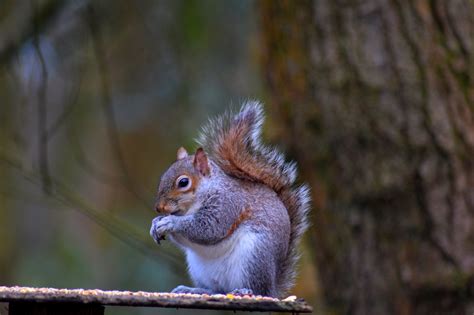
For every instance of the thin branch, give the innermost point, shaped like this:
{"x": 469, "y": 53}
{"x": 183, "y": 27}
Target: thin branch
{"x": 42, "y": 112}
{"x": 116, "y": 227}
{"x": 44, "y": 16}
{"x": 87, "y": 165}
{"x": 67, "y": 111}
{"x": 107, "y": 104}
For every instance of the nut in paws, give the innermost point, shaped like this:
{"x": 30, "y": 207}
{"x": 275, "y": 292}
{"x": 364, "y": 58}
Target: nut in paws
{"x": 161, "y": 226}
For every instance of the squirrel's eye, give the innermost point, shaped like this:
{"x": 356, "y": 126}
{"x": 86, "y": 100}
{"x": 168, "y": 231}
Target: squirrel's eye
{"x": 183, "y": 182}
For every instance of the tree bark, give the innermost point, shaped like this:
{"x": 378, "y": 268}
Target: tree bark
{"x": 375, "y": 100}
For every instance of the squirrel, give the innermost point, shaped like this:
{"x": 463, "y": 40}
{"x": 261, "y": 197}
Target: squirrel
{"x": 234, "y": 209}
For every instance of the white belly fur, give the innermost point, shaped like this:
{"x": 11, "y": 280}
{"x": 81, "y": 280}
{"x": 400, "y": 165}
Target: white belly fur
{"x": 222, "y": 267}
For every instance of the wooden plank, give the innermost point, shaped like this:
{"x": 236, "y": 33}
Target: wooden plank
{"x": 3, "y": 308}
{"x": 32, "y": 308}
{"x": 153, "y": 299}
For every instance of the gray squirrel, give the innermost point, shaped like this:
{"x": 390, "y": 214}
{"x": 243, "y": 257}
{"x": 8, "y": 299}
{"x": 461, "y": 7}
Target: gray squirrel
{"x": 234, "y": 209}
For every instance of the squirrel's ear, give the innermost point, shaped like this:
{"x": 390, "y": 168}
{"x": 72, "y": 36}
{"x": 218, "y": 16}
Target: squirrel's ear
{"x": 201, "y": 163}
{"x": 182, "y": 153}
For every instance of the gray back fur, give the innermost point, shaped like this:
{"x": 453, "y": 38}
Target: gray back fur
{"x": 233, "y": 142}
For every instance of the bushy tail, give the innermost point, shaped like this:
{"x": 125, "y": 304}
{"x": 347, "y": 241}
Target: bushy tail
{"x": 233, "y": 142}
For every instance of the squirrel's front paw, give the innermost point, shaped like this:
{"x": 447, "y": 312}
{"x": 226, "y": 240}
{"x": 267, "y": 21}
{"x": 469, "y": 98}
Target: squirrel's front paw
{"x": 161, "y": 226}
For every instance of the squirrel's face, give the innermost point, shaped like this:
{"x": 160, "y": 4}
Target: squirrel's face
{"x": 177, "y": 189}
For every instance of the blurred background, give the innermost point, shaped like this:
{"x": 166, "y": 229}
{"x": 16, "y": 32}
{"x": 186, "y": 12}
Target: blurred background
{"x": 373, "y": 99}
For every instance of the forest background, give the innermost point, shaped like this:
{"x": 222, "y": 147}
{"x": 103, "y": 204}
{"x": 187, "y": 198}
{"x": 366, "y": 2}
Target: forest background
{"x": 373, "y": 99}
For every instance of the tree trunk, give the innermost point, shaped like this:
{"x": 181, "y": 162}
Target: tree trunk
{"x": 375, "y": 100}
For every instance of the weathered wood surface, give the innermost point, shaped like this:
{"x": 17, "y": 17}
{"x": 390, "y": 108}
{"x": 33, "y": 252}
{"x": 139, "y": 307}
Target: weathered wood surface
{"x": 153, "y": 299}
{"x": 32, "y": 308}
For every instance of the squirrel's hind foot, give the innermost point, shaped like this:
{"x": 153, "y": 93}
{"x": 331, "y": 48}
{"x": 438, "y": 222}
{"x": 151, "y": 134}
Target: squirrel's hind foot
{"x": 242, "y": 291}
{"x": 185, "y": 289}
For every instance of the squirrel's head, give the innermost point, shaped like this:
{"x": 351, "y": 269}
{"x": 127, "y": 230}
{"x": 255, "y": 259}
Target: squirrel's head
{"x": 177, "y": 189}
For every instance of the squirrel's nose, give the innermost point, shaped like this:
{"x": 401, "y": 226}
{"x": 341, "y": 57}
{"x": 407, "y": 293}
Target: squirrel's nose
{"x": 160, "y": 206}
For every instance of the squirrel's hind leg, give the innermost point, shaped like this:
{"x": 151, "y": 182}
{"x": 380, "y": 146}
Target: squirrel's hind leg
{"x": 185, "y": 289}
